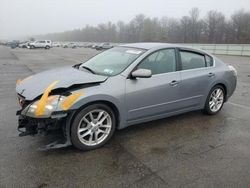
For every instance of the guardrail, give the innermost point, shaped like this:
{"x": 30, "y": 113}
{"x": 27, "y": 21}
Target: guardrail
{"x": 224, "y": 49}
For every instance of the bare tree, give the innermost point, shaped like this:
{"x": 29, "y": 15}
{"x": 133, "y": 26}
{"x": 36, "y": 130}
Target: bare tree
{"x": 214, "y": 28}
{"x": 240, "y": 24}
{"x": 185, "y": 28}
{"x": 195, "y": 25}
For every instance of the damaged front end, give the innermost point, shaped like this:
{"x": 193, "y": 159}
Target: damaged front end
{"x": 46, "y": 115}
{"x": 47, "y": 126}
{"x": 32, "y": 126}
{"x": 46, "y": 99}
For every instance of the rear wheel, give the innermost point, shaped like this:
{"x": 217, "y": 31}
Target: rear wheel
{"x": 47, "y": 47}
{"x": 215, "y": 100}
{"x": 92, "y": 127}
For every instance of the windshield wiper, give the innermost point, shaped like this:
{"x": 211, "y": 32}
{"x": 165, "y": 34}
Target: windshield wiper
{"x": 89, "y": 69}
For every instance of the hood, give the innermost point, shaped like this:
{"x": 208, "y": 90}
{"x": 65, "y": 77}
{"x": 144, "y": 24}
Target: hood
{"x": 35, "y": 85}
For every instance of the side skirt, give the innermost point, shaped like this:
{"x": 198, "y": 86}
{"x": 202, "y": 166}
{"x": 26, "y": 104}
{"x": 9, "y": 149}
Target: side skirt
{"x": 161, "y": 116}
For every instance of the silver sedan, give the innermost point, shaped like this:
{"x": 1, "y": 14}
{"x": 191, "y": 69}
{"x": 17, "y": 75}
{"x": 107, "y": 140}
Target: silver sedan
{"x": 125, "y": 85}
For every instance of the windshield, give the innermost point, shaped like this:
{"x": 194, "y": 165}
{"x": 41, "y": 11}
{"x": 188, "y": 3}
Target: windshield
{"x": 113, "y": 61}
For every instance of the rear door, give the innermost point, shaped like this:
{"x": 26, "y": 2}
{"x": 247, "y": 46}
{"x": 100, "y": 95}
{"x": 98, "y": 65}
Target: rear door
{"x": 197, "y": 75}
{"x": 158, "y": 94}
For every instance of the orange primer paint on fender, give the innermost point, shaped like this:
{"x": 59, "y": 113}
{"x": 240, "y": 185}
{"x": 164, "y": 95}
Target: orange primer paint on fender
{"x": 42, "y": 102}
{"x": 70, "y": 100}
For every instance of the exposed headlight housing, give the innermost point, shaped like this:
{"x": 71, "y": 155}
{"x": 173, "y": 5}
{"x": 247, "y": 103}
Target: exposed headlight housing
{"x": 52, "y": 104}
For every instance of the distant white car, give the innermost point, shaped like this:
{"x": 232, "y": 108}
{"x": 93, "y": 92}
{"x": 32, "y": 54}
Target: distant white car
{"x": 94, "y": 46}
{"x": 70, "y": 45}
{"x": 24, "y": 45}
{"x": 103, "y": 46}
{"x": 56, "y": 44}
{"x": 47, "y": 44}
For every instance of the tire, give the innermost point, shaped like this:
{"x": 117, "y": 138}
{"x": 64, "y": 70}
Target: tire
{"x": 212, "y": 105}
{"x": 84, "y": 130}
{"x": 47, "y": 47}
{"x": 32, "y": 47}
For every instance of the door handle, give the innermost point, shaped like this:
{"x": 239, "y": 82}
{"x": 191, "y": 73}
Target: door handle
{"x": 174, "y": 83}
{"x": 211, "y": 74}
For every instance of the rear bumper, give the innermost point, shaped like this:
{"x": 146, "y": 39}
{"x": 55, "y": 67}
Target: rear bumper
{"x": 232, "y": 84}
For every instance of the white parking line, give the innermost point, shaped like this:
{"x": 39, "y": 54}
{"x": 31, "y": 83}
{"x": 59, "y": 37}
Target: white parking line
{"x": 239, "y": 105}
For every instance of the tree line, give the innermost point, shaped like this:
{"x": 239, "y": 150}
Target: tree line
{"x": 212, "y": 28}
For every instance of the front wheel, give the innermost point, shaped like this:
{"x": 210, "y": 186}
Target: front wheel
{"x": 92, "y": 127}
{"x": 215, "y": 100}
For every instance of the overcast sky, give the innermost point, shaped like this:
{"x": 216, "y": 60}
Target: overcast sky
{"x": 31, "y": 17}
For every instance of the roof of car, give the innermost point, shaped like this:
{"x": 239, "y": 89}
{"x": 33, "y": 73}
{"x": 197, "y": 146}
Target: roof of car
{"x": 148, "y": 46}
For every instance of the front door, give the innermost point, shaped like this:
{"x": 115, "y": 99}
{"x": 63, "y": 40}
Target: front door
{"x": 159, "y": 94}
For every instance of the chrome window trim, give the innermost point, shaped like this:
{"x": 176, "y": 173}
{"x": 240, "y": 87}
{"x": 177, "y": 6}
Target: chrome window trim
{"x": 149, "y": 54}
{"x": 193, "y": 51}
{"x": 188, "y": 69}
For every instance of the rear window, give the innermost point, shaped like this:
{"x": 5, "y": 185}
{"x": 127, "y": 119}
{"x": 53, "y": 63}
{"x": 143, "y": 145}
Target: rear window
{"x": 209, "y": 61}
{"x": 192, "y": 60}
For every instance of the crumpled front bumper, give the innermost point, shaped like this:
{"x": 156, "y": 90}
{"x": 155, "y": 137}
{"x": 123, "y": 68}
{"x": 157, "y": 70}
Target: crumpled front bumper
{"x": 44, "y": 126}
{"x": 32, "y": 126}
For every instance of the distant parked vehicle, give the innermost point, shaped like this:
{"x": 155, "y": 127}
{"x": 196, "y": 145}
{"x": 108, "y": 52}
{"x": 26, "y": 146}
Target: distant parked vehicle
{"x": 88, "y": 45}
{"x": 47, "y": 44}
{"x": 103, "y": 46}
{"x": 70, "y": 45}
{"x": 24, "y": 45}
{"x": 94, "y": 46}
{"x": 13, "y": 44}
{"x": 82, "y": 45}
{"x": 56, "y": 44}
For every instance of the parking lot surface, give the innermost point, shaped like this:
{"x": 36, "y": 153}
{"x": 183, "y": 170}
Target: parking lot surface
{"x": 189, "y": 150}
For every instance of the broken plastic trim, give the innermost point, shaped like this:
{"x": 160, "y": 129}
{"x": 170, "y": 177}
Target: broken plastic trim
{"x": 59, "y": 114}
{"x": 61, "y": 143}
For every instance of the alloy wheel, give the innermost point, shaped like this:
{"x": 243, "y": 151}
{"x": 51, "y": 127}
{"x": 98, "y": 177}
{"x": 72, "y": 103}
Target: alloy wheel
{"x": 216, "y": 100}
{"x": 94, "y": 127}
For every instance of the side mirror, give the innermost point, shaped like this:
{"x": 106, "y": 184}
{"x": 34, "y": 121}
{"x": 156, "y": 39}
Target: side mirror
{"x": 142, "y": 73}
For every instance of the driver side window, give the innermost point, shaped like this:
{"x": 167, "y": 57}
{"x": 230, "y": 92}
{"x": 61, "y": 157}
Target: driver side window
{"x": 162, "y": 61}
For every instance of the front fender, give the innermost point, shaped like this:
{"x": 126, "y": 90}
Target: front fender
{"x": 104, "y": 98}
